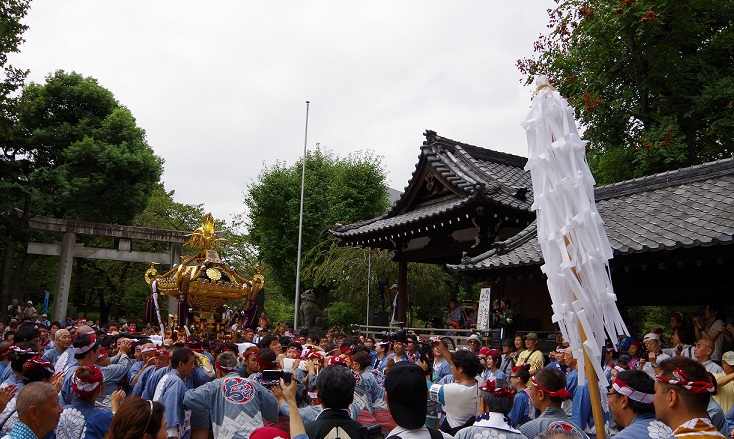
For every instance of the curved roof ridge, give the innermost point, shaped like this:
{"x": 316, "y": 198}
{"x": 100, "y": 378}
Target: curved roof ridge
{"x": 665, "y": 179}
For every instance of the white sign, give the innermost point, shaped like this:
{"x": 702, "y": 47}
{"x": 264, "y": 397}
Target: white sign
{"x": 485, "y": 305}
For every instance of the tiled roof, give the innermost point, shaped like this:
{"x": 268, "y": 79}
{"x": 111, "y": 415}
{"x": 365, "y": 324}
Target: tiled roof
{"x": 498, "y": 177}
{"x": 386, "y": 221}
{"x": 688, "y": 207}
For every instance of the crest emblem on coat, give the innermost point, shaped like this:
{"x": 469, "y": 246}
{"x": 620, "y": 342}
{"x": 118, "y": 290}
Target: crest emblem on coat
{"x": 238, "y": 390}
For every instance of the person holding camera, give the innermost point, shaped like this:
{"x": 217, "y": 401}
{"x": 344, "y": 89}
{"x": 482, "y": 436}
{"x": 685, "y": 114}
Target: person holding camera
{"x": 234, "y": 405}
{"x": 459, "y": 398}
{"x": 655, "y": 354}
{"x": 505, "y": 318}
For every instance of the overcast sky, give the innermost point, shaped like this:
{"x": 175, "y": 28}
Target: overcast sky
{"x": 220, "y": 86}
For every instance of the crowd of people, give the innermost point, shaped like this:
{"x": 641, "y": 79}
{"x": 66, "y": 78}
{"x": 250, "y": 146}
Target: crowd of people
{"x": 75, "y": 379}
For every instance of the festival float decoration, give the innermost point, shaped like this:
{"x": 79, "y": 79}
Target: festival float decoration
{"x": 202, "y": 283}
{"x": 571, "y": 235}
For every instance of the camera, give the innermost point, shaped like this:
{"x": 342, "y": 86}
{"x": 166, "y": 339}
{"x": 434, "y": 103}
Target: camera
{"x": 497, "y": 309}
{"x": 371, "y": 431}
{"x": 398, "y": 335}
{"x": 272, "y": 377}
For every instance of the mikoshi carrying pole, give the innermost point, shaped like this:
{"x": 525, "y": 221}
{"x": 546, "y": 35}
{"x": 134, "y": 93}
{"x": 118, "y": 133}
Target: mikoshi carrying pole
{"x": 300, "y": 224}
{"x": 575, "y": 247}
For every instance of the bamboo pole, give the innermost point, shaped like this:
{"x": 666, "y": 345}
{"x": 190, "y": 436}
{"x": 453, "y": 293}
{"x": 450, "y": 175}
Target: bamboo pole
{"x": 590, "y": 371}
{"x": 593, "y": 391}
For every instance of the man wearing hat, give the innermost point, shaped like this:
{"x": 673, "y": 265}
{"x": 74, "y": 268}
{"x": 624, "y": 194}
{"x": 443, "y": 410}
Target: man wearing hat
{"x": 655, "y": 356}
{"x": 508, "y": 359}
{"x": 531, "y": 355}
{"x": 406, "y": 393}
{"x": 631, "y": 403}
{"x": 475, "y": 343}
{"x": 682, "y": 392}
{"x": 29, "y": 311}
{"x": 725, "y": 380}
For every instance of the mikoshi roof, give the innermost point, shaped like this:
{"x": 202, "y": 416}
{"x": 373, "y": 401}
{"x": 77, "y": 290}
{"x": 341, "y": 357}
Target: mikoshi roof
{"x": 684, "y": 208}
{"x": 469, "y": 172}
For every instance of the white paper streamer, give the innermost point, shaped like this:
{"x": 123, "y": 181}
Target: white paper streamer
{"x": 571, "y": 232}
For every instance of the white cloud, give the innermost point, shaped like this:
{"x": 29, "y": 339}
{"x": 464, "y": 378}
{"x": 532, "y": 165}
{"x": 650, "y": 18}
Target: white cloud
{"x": 220, "y": 87}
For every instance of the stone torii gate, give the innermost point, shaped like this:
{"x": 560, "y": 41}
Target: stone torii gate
{"x": 68, "y": 249}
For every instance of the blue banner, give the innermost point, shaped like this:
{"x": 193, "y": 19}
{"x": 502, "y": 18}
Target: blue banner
{"x": 45, "y": 302}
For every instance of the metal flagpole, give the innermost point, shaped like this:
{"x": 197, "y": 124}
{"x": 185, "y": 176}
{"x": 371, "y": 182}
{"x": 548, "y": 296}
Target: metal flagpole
{"x": 300, "y": 225}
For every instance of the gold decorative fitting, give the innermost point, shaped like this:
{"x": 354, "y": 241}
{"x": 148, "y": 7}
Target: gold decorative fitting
{"x": 203, "y": 279}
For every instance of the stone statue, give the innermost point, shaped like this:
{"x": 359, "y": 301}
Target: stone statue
{"x": 309, "y": 313}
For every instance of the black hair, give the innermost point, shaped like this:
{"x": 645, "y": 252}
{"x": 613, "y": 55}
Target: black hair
{"x": 467, "y": 361}
{"x": 266, "y": 355}
{"x": 641, "y": 382}
{"x": 363, "y": 359}
{"x": 303, "y": 332}
{"x": 697, "y": 402}
{"x": 26, "y": 331}
{"x": 17, "y": 359}
{"x": 82, "y": 340}
{"x": 336, "y": 387}
{"x": 315, "y": 339}
{"x": 265, "y": 342}
{"x": 285, "y": 340}
{"x": 294, "y": 344}
{"x": 180, "y": 356}
{"x": 361, "y": 348}
{"x": 523, "y": 373}
{"x": 552, "y": 379}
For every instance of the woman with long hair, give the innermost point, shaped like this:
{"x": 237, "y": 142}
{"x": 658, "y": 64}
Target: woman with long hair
{"x": 82, "y": 420}
{"x": 138, "y": 418}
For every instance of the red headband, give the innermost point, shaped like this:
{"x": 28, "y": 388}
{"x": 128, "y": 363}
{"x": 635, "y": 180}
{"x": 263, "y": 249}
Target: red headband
{"x": 346, "y": 349}
{"x": 87, "y": 348}
{"x": 35, "y": 361}
{"x": 224, "y": 369}
{"x": 491, "y": 387}
{"x": 337, "y": 360}
{"x": 86, "y": 388}
{"x": 635, "y": 395}
{"x": 560, "y": 393}
{"x": 680, "y": 379}
{"x": 266, "y": 363}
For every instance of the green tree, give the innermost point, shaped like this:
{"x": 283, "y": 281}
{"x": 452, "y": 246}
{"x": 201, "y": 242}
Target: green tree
{"x": 337, "y": 190}
{"x": 652, "y": 81}
{"x": 11, "y": 37}
{"x": 75, "y": 153}
{"x": 347, "y": 270}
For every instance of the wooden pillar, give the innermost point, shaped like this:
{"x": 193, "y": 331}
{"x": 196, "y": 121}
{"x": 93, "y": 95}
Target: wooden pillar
{"x": 403, "y": 288}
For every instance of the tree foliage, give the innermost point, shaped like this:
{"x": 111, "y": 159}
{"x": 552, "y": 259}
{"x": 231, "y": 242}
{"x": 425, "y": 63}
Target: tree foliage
{"x": 74, "y": 153}
{"x": 652, "y": 81}
{"x": 347, "y": 270}
{"x": 337, "y": 190}
{"x": 80, "y": 154}
{"x": 11, "y": 37}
